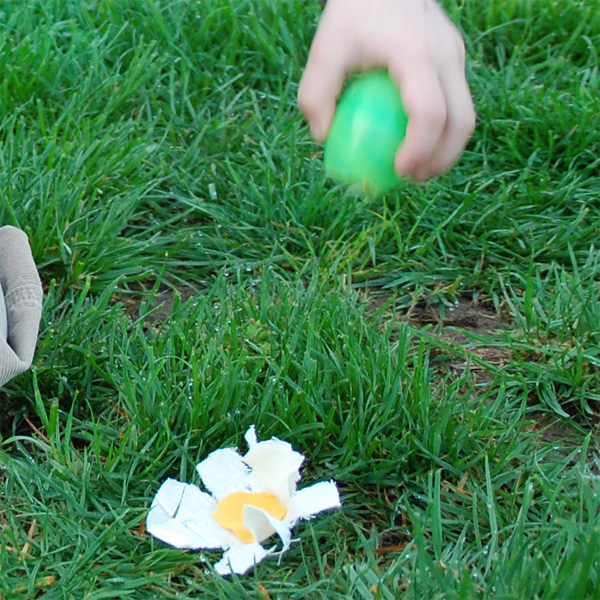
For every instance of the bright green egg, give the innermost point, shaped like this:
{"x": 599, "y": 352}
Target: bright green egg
{"x": 369, "y": 126}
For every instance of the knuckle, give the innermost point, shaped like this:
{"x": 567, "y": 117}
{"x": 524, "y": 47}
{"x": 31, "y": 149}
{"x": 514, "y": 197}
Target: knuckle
{"x": 468, "y": 123}
{"x": 460, "y": 47}
{"x": 437, "y": 114}
{"x": 305, "y": 99}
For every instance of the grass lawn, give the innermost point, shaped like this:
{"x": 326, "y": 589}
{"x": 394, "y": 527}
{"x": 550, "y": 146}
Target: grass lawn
{"x": 436, "y": 351}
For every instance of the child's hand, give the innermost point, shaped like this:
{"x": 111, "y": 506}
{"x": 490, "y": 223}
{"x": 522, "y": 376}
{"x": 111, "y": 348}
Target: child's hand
{"x": 425, "y": 55}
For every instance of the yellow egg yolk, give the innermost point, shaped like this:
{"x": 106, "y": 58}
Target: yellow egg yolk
{"x": 230, "y": 511}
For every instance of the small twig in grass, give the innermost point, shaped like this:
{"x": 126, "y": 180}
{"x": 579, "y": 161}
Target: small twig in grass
{"x": 37, "y": 431}
{"x": 30, "y": 534}
{"x": 44, "y": 582}
{"x": 389, "y": 549}
{"x": 460, "y": 486}
{"x": 142, "y": 528}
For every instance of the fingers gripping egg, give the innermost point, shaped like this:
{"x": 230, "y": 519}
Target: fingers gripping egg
{"x": 369, "y": 126}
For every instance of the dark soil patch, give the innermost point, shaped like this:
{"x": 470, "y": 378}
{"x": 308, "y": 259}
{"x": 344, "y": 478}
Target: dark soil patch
{"x": 552, "y": 429}
{"x": 470, "y": 333}
{"x": 475, "y": 316}
{"x": 475, "y": 327}
{"x": 470, "y": 336}
{"x": 161, "y": 306}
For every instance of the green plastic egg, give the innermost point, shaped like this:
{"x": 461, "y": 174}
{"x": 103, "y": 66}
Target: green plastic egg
{"x": 368, "y": 127}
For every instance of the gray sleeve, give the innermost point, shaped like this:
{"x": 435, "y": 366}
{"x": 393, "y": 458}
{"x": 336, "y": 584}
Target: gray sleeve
{"x": 21, "y": 289}
{"x": 3, "y": 319}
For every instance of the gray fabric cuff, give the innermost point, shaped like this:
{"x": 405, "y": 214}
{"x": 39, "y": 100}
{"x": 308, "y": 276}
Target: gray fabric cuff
{"x": 22, "y": 293}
